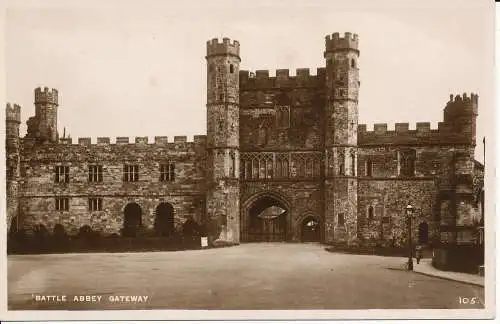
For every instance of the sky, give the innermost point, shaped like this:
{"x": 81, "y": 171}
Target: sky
{"x": 137, "y": 68}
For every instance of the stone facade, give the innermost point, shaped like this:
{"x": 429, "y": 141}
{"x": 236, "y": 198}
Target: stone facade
{"x": 272, "y": 141}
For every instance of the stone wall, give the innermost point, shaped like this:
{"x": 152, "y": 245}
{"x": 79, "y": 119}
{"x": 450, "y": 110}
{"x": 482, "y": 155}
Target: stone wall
{"x": 39, "y": 189}
{"x": 389, "y": 199}
{"x": 298, "y": 127}
{"x": 432, "y": 189}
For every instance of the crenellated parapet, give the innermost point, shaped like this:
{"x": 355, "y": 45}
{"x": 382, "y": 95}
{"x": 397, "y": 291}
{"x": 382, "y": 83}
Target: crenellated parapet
{"x": 336, "y": 43}
{"x": 402, "y": 134}
{"x": 85, "y": 141}
{"x": 226, "y": 47}
{"x": 13, "y": 113}
{"x": 122, "y": 140}
{"x": 457, "y": 127}
{"x": 103, "y": 140}
{"x": 460, "y": 105}
{"x": 46, "y": 95}
{"x": 199, "y": 140}
{"x": 261, "y": 79}
{"x": 86, "y": 148}
{"x": 66, "y": 141}
{"x": 399, "y": 128}
{"x": 141, "y": 140}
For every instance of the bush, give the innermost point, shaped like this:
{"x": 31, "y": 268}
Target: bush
{"x": 222, "y": 244}
{"x": 84, "y": 232}
{"x": 59, "y": 234}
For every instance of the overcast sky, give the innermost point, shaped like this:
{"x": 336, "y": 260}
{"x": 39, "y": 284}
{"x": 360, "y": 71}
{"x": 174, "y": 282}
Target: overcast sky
{"x": 137, "y": 68}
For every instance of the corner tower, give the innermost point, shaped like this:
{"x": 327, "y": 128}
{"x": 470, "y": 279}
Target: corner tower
{"x": 457, "y": 197}
{"x": 223, "y": 60}
{"x": 46, "y": 103}
{"x": 341, "y": 138}
{"x": 12, "y": 148}
{"x": 461, "y": 114}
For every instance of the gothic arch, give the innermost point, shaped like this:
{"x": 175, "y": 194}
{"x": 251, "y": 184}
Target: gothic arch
{"x": 271, "y": 194}
{"x": 132, "y": 219}
{"x": 255, "y": 228}
{"x": 164, "y": 219}
{"x": 306, "y": 217}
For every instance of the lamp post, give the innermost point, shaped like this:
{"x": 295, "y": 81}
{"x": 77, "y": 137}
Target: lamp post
{"x": 409, "y": 213}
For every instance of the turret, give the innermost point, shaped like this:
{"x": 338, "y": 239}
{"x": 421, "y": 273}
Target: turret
{"x": 341, "y": 126}
{"x": 223, "y": 62}
{"x": 45, "y": 121}
{"x": 460, "y": 113}
{"x": 335, "y": 43}
{"x": 12, "y": 148}
{"x": 12, "y": 121}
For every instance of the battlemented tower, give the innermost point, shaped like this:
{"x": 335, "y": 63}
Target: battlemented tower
{"x": 341, "y": 118}
{"x": 456, "y": 192}
{"x": 223, "y": 138}
{"x": 43, "y": 126}
{"x": 12, "y": 145}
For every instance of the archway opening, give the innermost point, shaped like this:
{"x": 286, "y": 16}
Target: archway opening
{"x": 311, "y": 231}
{"x": 14, "y": 227}
{"x": 423, "y": 233}
{"x": 266, "y": 221}
{"x": 164, "y": 220}
{"x": 132, "y": 220}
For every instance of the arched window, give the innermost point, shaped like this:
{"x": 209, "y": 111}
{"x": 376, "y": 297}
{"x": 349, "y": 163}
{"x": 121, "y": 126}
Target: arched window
{"x": 317, "y": 168}
{"x": 262, "y": 135}
{"x": 283, "y": 116}
{"x": 353, "y": 164}
{"x": 341, "y": 163}
{"x": 285, "y": 168}
{"x": 407, "y": 163}
{"x": 255, "y": 168}
{"x": 353, "y": 63}
{"x": 242, "y": 169}
{"x": 269, "y": 168}
{"x": 340, "y": 219}
{"x": 278, "y": 169}
{"x": 232, "y": 169}
{"x": 370, "y": 213}
{"x": 231, "y": 68}
{"x": 368, "y": 168}
{"x": 309, "y": 168}
{"x": 248, "y": 170}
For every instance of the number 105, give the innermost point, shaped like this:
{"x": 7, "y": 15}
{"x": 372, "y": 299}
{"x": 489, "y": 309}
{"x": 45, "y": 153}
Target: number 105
{"x": 470, "y": 301}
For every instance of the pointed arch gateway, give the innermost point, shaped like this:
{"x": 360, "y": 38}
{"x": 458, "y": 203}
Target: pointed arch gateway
{"x": 265, "y": 218}
{"x": 310, "y": 230}
{"x": 132, "y": 219}
{"x": 164, "y": 220}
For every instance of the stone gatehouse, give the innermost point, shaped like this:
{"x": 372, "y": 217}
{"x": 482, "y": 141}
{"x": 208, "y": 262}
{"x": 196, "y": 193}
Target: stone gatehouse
{"x": 284, "y": 159}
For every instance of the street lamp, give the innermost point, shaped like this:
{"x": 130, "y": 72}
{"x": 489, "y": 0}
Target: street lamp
{"x": 409, "y": 213}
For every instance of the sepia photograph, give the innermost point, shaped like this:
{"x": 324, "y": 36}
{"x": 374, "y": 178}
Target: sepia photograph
{"x": 248, "y": 160}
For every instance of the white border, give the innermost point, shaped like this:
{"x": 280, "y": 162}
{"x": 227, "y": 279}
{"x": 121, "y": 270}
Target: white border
{"x": 194, "y": 315}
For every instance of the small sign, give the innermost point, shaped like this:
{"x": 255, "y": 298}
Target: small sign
{"x": 204, "y": 241}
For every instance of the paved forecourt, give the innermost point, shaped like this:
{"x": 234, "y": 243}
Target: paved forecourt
{"x": 250, "y": 276}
